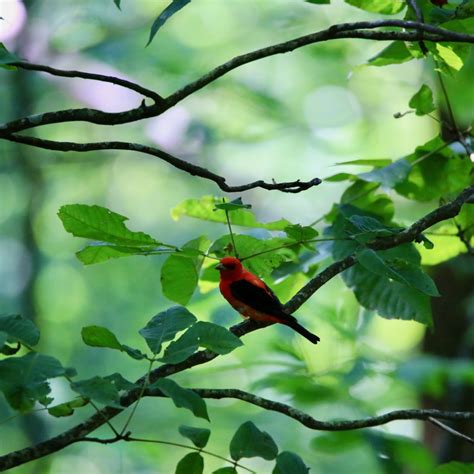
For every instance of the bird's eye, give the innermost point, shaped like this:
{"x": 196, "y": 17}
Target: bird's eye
{"x": 230, "y": 266}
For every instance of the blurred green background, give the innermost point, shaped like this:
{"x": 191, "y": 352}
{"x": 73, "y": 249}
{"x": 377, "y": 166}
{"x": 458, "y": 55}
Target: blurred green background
{"x": 286, "y": 117}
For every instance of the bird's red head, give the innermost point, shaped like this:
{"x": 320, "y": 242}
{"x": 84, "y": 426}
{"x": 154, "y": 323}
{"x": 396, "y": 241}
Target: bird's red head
{"x": 230, "y": 267}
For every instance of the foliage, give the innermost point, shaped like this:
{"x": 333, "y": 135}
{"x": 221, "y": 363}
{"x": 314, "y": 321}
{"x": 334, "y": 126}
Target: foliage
{"x": 362, "y": 235}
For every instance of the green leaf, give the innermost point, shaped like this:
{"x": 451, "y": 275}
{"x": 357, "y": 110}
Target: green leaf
{"x": 165, "y": 15}
{"x": 435, "y": 172}
{"x": 202, "y": 334}
{"x": 449, "y": 55}
{"x": 99, "y": 223}
{"x": 225, "y": 470}
{"x": 465, "y": 10}
{"x": 182, "y": 397}
{"x": 394, "y": 53}
{"x": 289, "y": 463}
{"x": 19, "y": 329}
{"x": 318, "y": 2}
{"x": 23, "y": 380}
{"x": 100, "y": 252}
{"x": 387, "y": 7}
{"x": 216, "y": 338}
{"x": 182, "y": 348}
{"x": 117, "y": 4}
{"x": 204, "y": 209}
{"x": 365, "y": 196}
{"x": 233, "y": 205}
{"x": 198, "y": 436}
{"x": 192, "y": 463}
{"x": 165, "y": 325}
{"x": 99, "y": 389}
{"x": 399, "y": 270}
{"x": 7, "y": 58}
{"x": 422, "y": 101}
{"x": 180, "y": 273}
{"x": 67, "y": 408}
{"x": 454, "y": 467}
{"x": 98, "y": 336}
{"x": 300, "y": 233}
{"x": 121, "y": 383}
{"x": 248, "y": 442}
{"x": 376, "y": 163}
{"x": 389, "y": 298}
{"x": 388, "y": 176}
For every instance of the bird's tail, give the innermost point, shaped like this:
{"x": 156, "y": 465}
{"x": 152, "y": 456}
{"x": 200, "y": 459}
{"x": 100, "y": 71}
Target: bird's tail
{"x": 293, "y": 324}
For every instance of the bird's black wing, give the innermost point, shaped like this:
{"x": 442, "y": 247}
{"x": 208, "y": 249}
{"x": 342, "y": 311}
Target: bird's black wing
{"x": 256, "y": 297}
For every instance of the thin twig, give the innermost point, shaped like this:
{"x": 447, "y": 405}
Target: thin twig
{"x": 450, "y": 430}
{"x": 88, "y": 75}
{"x": 194, "y": 170}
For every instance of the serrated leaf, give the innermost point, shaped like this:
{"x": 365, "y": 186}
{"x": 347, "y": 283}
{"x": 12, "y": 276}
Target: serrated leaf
{"x": 99, "y": 389}
{"x": 182, "y": 397}
{"x": 202, "y": 334}
{"x": 233, "y": 205}
{"x": 376, "y": 163}
{"x": 198, "y": 436}
{"x": 435, "y": 172}
{"x": 180, "y": 272}
{"x": 19, "y": 329}
{"x": 165, "y": 15}
{"x": 289, "y": 463}
{"x": 394, "y": 53}
{"x": 387, "y": 7}
{"x": 388, "y": 176}
{"x": 192, "y": 463}
{"x": 165, "y": 325}
{"x": 100, "y": 252}
{"x": 216, "y": 338}
{"x": 98, "y": 336}
{"x": 204, "y": 209}
{"x": 99, "y": 223}
{"x": 450, "y": 57}
{"x": 24, "y": 380}
{"x": 300, "y": 233}
{"x": 182, "y": 348}
{"x": 399, "y": 270}
{"x": 67, "y": 408}
{"x": 389, "y": 298}
{"x": 248, "y": 442}
{"x": 422, "y": 101}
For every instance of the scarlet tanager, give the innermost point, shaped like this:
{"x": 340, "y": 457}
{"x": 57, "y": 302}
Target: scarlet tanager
{"x": 252, "y": 298}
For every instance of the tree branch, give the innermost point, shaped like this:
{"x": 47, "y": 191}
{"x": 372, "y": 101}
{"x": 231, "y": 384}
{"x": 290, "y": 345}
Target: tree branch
{"x": 194, "y": 170}
{"x": 360, "y": 30}
{"x": 88, "y": 75}
{"x": 81, "y": 430}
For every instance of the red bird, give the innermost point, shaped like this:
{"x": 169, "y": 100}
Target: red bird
{"x": 252, "y": 298}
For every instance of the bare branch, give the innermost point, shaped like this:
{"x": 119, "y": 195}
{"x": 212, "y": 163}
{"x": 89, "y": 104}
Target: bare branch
{"x": 88, "y": 75}
{"x": 360, "y": 30}
{"x": 447, "y": 428}
{"x": 194, "y": 170}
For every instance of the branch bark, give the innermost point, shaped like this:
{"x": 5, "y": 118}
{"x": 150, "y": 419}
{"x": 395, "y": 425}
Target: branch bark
{"x": 81, "y": 430}
{"x": 357, "y": 30}
{"x": 194, "y": 170}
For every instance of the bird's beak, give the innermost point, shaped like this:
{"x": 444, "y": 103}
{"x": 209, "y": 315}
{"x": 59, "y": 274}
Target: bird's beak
{"x": 219, "y": 267}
